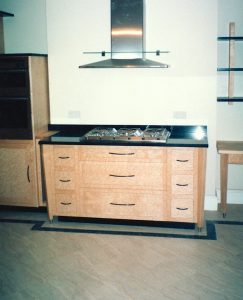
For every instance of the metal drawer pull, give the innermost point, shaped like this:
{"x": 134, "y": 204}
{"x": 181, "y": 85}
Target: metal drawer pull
{"x": 114, "y": 153}
{"x": 63, "y": 157}
{"x": 28, "y": 173}
{"x": 62, "y": 180}
{"x": 123, "y": 204}
{"x": 181, "y": 160}
{"x": 112, "y": 175}
{"x": 66, "y": 203}
{"x": 179, "y": 208}
{"x": 182, "y": 184}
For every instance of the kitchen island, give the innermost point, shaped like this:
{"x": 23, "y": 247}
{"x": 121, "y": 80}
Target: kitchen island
{"x": 128, "y": 176}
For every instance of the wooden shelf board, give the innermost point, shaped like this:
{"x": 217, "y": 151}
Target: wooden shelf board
{"x": 227, "y": 99}
{"x": 230, "y": 69}
{"x": 230, "y": 38}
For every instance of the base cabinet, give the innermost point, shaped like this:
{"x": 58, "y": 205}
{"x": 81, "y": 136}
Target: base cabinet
{"x": 18, "y": 181}
{"x": 140, "y": 183}
{"x": 185, "y": 189}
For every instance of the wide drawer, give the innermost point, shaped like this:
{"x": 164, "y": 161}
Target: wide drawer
{"x": 182, "y": 184}
{"x": 64, "y": 156}
{"x": 113, "y": 203}
{"x": 64, "y": 180}
{"x": 182, "y": 159}
{"x": 122, "y": 154}
{"x": 182, "y": 207}
{"x": 66, "y": 204}
{"x": 123, "y": 175}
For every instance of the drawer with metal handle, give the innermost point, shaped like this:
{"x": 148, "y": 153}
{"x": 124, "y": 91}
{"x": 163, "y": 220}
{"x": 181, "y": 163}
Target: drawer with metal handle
{"x": 182, "y": 207}
{"x": 64, "y": 156}
{"x": 182, "y": 184}
{"x": 66, "y": 204}
{"x": 65, "y": 180}
{"x": 123, "y": 175}
{"x": 183, "y": 159}
{"x": 115, "y": 203}
{"x": 122, "y": 154}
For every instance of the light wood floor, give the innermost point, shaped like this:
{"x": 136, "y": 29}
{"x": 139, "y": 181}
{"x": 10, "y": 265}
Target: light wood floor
{"x": 58, "y": 265}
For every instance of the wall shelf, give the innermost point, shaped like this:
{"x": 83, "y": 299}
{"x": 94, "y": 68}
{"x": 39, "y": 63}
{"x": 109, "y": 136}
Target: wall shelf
{"x": 227, "y": 99}
{"x": 103, "y": 53}
{"x": 5, "y": 14}
{"x": 231, "y": 69}
{"x": 2, "y": 15}
{"x": 230, "y": 38}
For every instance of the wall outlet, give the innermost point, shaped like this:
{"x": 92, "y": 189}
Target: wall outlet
{"x": 179, "y": 115}
{"x": 74, "y": 114}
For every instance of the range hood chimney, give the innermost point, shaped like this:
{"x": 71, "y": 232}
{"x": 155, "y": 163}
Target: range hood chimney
{"x": 127, "y": 38}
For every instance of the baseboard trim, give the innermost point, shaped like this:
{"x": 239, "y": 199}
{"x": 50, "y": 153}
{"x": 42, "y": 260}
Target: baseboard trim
{"x": 233, "y": 196}
{"x": 211, "y": 233}
{"x": 211, "y": 203}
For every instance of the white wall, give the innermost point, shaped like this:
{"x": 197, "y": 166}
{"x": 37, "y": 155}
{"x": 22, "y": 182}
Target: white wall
{"x": 26, "y": 31}
{"x": 187, "y": 28}
{"x": 132, "y": 96}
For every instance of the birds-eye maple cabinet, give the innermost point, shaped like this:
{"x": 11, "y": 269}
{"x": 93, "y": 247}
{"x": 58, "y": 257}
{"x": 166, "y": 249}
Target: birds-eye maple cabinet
{"x": 24, "y": 114}
{"x": 126, "y": 182}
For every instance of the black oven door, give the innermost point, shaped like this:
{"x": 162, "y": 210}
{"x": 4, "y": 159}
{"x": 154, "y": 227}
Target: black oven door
{"x": 15, "y": 118}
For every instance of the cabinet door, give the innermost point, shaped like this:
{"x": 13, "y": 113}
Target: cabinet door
{"x": 18, "y": 185}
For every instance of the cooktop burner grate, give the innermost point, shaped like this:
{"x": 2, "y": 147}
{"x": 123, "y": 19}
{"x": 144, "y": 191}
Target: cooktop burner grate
{"x": 159, "y": 134}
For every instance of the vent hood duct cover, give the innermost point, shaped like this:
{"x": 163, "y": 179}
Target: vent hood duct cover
{"x": 127, "y": 37}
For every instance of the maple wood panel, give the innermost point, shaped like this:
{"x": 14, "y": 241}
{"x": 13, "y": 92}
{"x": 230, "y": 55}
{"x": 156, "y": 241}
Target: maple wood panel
{"x": 144, "y": 183}
{"x": 123, "y": 174}
{"x": 112, "y": 203}
{"x": 121, "y": 154}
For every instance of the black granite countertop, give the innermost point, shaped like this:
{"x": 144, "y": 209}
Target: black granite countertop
{"x": 181, "y": 136}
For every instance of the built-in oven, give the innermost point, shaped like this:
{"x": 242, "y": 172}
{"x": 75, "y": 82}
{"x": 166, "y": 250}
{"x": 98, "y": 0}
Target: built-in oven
{"x": 15, "y": 105}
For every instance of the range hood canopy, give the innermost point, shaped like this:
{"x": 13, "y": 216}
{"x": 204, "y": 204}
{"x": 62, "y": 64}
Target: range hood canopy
{"x": 127, "y": 38}
{"x": 126, "y": 63}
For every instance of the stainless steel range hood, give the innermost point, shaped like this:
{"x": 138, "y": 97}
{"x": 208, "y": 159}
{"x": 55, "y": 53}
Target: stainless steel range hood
{"x": 127, "y": 37}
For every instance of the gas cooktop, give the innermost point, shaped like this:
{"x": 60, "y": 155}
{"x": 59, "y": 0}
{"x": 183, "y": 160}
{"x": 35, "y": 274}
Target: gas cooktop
{"x": 157, "y": 134}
